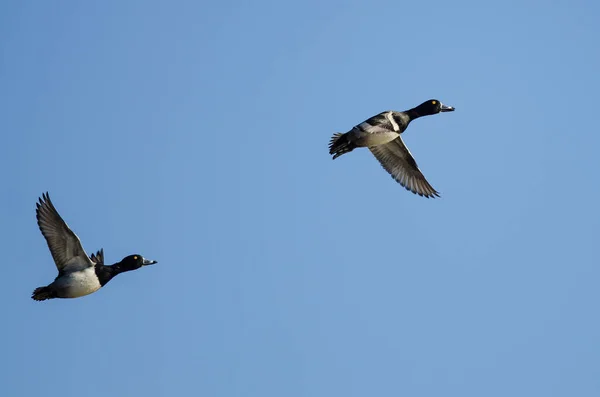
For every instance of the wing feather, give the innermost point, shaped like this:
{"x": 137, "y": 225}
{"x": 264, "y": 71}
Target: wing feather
{"x": 64, "y": 245}
{"x": 396, "y": 159}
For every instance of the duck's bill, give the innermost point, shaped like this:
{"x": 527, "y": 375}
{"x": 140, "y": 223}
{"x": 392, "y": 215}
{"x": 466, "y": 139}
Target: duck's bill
{"x": 148, "y": 262}
{"x": 447, "y": 108}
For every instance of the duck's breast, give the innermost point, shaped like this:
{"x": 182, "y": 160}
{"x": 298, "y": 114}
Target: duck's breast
{"x": 76, "y": 284}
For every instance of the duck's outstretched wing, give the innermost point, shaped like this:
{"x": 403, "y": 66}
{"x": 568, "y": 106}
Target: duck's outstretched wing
{"x": 98, "y": 258}
{"x": 64, "y": 245}
{"x": 397, "y": 160}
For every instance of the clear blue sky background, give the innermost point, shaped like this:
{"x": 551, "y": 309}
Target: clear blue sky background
{"x": 196, "y": 134}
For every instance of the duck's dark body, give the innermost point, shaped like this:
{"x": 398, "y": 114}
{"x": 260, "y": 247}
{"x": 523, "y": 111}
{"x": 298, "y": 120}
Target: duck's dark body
{"x": 377, "y": 130}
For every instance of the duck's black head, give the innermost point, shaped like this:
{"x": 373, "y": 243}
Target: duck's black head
{"x": 133, "y": 262}
{"x": 427, "y": 108}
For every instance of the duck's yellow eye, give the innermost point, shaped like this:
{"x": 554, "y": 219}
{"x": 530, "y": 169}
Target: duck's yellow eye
{"x": 135, "y": 258}
{"x": 433, "y": 102}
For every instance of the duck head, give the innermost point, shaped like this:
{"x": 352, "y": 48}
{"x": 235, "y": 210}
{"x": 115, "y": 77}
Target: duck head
{"x": 133, "y": 262}
{"x": 432, "y": 106}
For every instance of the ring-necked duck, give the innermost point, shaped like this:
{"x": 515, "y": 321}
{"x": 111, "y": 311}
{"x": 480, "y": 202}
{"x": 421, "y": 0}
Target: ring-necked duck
{"x": 78, "y": 274}
{"x": 381, "y": 134}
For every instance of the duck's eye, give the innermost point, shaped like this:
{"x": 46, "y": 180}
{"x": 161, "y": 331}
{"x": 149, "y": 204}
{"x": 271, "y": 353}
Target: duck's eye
{"x": 434, "y": 102}
{"x": 135, "y": 258}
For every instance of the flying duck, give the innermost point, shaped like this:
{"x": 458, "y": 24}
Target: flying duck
{"x": 78, "y": 274}
{"x": 381, "y": 134}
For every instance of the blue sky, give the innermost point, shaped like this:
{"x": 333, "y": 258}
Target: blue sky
{"x": 196, "y": 134}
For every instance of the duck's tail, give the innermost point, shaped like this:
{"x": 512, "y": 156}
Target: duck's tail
{"x": 42, "y": 293}
{"x": 340, "y": 144}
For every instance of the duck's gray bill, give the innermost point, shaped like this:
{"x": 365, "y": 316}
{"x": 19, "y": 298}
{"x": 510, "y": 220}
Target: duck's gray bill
{"x": 447, "y": 108}
{"x": 148, "y": 262}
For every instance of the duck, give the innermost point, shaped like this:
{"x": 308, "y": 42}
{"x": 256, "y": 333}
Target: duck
{"x": 382, "y": 135}
{"x": 78, "y": 273}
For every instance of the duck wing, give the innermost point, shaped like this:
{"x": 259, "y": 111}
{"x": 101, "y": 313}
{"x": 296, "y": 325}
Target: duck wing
{"x": 98, "y": 258}
{"x": 396, "y": 159}
{"x": 66, "y": 249}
